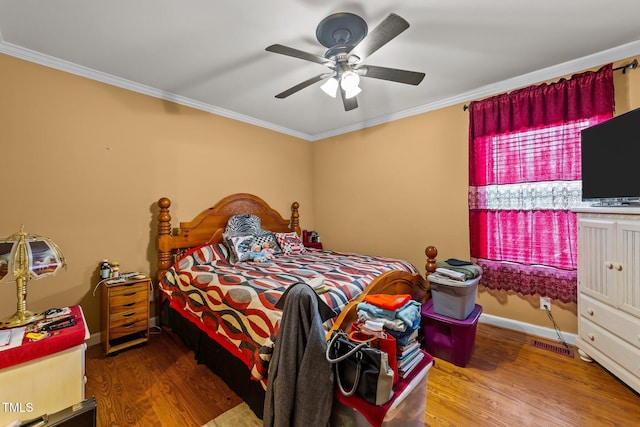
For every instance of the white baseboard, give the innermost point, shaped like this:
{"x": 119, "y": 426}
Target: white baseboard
{"x": 526, "y": 328}
{"x": 96, "y": 338}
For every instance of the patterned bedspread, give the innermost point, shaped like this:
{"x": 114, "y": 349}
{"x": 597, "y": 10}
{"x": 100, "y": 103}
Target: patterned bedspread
{"x": 235, "y": 302}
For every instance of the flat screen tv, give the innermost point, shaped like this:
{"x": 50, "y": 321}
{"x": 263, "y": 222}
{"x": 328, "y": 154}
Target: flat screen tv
{"x": 611, "y": 161}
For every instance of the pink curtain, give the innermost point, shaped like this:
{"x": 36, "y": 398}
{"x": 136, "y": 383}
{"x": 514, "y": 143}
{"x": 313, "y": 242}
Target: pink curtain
{"x": 524, "y": 179}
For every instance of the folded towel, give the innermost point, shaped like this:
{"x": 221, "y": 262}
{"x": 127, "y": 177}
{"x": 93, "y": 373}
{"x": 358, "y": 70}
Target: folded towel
{"x": 456, "y": 275}
{"x": 389, "y": 325}
{"x": 408, "y": 313}
{"x": 471, "y": 271}
{"x": 457, "y": 262}
{"x": 388, "y": 301}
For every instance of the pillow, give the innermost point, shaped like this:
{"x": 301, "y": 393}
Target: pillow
{"x": 261, "y": 254}
{"x": 268, "y": 240}
{"x": 243, "y": 224}
{"x": 290, "y": 243}
{"x": 240, "y": 247}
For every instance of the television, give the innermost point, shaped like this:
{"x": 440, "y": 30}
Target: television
{"x": 611, "y": 161}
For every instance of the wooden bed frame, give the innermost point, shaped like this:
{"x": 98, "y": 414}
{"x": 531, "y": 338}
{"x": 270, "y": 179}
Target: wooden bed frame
{"x": 207, "y": 228}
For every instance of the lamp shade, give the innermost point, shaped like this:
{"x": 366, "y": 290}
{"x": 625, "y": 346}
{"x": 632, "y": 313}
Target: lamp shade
{"x": 25, "y": 257}
{"x": 29, "y": 256}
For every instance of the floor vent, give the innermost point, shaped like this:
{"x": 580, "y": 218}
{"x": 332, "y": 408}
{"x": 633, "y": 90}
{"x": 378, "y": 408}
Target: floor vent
{"x": 559, "y": 349}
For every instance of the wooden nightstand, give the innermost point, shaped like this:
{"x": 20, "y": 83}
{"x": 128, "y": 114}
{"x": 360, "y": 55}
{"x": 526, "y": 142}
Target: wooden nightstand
{"x": 125, "y": 314}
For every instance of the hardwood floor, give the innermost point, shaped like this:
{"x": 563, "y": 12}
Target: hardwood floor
{"x": 508, "y": 382}
{"x": 158, "y": 384}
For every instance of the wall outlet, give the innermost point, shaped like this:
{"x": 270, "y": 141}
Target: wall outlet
{"x": 545, "y": 303}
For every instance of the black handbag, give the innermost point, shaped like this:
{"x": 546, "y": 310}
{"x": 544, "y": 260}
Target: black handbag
{"x": 363, "y": 369}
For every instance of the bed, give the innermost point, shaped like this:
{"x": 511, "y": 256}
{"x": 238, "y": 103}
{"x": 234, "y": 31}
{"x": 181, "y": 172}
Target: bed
{"x": 224, "y": 310}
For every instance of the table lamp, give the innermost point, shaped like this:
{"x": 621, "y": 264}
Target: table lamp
{"x": 24, "y": 257}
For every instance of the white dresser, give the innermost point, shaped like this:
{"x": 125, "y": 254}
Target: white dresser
{"x": 48, "y": 383}
{"x": 609, "y": 290}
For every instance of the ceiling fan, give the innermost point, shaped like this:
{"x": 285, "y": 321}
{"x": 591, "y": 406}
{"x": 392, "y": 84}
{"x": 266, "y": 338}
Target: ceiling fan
{"x": 345, "y": 36}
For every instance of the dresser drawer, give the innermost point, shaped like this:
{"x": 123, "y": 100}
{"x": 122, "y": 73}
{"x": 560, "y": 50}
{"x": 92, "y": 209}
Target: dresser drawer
{"x": 619, "y": 323}
{"x": 613, "y": 348}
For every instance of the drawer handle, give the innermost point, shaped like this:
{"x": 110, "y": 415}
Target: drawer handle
{"x": 592, "y": 337}
{"x": 129, "y": 294}
{"x": 128, "y": 325}
{"x": 129, "y": 304}
{"x": 128, "y": 314}
{"x": 590, "y": 311}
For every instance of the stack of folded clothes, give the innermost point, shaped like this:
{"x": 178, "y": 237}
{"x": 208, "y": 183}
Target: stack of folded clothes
{"x": 455, "y": 269}
{"x": 400, "y": 317}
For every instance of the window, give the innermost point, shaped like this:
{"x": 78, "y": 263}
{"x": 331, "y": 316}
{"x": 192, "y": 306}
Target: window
{"x": 524, "y": 179}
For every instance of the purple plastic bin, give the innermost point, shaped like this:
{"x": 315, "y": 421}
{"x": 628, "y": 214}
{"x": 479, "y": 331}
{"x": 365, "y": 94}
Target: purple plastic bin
{"x": 447, "y": 338}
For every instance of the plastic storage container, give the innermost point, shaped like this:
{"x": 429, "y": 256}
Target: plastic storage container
{"x": 453, "y": 298}
{"x": 407, "y": 408}
{"x": 449, "y": 339}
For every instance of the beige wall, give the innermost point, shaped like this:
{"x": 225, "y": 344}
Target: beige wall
{"x": 87, "y": 159}
{"x": 83, "y": 163}
{"x": 396, "y": 188}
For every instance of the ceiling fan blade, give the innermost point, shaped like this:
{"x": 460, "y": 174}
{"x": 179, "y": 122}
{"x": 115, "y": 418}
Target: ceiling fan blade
{"x": 349, "y": 103}
{"x": 392, "y": 74}
{"x": 289, "y": 51}
{"x": 386, "y": 31}
{"x": 302, "y": 85}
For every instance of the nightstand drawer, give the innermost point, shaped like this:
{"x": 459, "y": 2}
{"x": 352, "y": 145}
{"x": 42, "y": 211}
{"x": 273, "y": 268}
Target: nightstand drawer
{"x": 125, "y": 314}
{"x": 129, "y": 289}
{"x": 128, "y": 302}
{"x": 127, "y": 327}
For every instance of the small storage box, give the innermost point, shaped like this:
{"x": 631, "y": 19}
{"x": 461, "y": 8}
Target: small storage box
{"x": 453, "y": 298}
{"x": 406, "y": 410}
{"x": 449, "y": 339}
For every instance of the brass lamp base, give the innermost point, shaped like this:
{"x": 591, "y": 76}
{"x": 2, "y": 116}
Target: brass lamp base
{"x": 21, "y": 319}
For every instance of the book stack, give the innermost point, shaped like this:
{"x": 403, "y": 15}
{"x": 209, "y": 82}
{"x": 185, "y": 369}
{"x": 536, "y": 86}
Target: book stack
{"x": 409, "y": 355}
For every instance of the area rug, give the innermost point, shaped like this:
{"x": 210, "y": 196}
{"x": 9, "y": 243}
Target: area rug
{"x": 239, "y": 416}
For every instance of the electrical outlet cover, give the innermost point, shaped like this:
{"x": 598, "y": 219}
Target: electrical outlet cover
{"x": 545, "y": 303}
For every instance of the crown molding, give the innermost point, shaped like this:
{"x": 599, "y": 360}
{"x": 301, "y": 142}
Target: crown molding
{"x": 579, "y": 64}
{"x": 535, "y": 77}
{"x": 89, "y": 73}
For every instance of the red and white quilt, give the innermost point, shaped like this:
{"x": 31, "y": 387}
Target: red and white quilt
{"x": 235, "y": 303}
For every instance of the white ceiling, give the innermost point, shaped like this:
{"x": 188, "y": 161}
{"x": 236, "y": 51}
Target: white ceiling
{"x": 211, "y": 54}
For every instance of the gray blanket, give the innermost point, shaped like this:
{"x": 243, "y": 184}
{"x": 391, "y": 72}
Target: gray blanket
{"x": 300, "y": 380}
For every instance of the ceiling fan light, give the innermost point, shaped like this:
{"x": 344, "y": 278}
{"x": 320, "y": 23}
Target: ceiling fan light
{"x": 352, "y": 92}
{"x": 349, "y": 81}
{"x": 330, "y": 87}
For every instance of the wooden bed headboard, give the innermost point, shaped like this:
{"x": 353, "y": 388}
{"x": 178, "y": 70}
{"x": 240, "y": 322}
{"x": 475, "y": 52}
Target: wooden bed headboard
{"x": 207, "y": 227}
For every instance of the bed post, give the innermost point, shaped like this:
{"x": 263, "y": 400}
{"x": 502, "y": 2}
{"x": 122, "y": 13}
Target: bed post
{"x": 431, "y": 252}
{"x": 295, "y": 218}
{"x": 164, "y": 237}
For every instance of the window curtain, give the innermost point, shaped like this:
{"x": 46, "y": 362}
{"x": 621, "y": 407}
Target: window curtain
{"x": 524, "y": 181}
